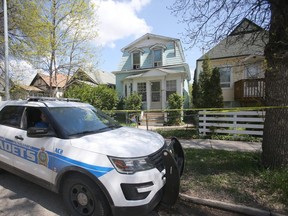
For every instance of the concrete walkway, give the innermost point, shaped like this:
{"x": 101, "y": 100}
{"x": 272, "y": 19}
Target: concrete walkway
{"x": 221, "y": 144}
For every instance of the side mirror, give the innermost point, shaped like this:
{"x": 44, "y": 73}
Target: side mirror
{"x": 39, "y": 132}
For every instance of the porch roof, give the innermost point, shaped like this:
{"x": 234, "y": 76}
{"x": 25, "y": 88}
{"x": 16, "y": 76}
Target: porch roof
{"x": 155, "y": 73}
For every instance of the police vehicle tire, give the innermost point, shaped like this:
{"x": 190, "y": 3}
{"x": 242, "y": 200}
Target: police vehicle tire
{"x": 83, "y": 197}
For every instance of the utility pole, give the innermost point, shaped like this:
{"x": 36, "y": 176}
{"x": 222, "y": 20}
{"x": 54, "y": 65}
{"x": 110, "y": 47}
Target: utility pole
{"x": 7, "y": 86}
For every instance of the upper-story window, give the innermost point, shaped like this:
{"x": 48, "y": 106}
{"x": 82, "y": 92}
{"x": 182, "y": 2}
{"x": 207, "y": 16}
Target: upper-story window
{"x": 136, "y": 60}
{"x": 157, "y": 54}
{"x": 225, "y": 77}
{"x": 254, "y": 71}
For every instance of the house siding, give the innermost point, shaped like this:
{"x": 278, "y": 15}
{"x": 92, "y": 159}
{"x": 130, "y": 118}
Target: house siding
{"x": 173, "y": 68}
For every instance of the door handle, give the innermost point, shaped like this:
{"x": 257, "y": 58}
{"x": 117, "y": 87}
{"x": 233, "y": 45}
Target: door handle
{"x": 19, "y": 137}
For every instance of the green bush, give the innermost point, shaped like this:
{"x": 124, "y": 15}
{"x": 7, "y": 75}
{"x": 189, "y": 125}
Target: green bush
{"x": 175, "y": 101}
{"x": 101, "y": 96}
{"x": 133, "y": 102}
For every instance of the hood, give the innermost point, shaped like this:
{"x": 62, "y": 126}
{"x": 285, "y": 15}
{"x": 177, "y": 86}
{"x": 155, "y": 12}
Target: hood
{"x": 121, "y": 142}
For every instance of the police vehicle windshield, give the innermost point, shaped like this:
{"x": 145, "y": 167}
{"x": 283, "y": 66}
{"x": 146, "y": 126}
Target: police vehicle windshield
{"x": 82, "y": 120}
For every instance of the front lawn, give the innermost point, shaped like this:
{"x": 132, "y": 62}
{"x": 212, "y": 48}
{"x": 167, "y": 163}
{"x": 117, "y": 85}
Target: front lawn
{"x": 234, "y": 177}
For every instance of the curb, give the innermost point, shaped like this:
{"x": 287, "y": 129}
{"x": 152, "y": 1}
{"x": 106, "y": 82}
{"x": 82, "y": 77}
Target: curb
{"x": 228, "y": 206}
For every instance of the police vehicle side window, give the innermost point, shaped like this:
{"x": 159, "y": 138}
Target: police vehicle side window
{"x": 11, "y": 116}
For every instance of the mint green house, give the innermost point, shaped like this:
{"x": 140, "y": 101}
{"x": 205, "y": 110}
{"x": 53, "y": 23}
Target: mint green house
{"x": 153, "y": 66}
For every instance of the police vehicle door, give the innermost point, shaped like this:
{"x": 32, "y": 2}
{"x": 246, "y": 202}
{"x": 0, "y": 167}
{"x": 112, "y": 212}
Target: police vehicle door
{"x": 10, "y": 120}
{"x": 36, "y": 159}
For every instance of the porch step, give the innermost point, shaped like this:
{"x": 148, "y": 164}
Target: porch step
{"x": 153, "y": 118}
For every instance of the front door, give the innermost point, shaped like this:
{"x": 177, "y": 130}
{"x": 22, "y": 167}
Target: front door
{"x": 156, "y": 95}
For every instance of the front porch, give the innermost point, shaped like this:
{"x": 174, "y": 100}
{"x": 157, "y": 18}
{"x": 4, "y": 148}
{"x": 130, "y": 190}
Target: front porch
{"x": 250, "y": 91}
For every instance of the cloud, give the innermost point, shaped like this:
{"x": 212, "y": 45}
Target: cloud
{"x": 118, "y": 20}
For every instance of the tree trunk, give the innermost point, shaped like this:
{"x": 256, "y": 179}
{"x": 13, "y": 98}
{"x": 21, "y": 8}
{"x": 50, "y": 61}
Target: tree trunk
{"x": 275, "y": 138}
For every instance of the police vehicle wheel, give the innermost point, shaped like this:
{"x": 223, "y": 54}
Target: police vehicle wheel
{"x": 83, "y": 197}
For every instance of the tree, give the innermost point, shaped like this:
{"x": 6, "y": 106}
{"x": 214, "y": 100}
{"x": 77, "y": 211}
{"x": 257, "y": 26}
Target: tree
{"x": 214, "y": 92}
{"x": 70, "y": 25}
{"x": 208, "y": 92}
{"x": 101, "y": 96}
{"x": 175, "y": 101}
{"x": 23, "y": 19}
{"x": 211, "y": 20}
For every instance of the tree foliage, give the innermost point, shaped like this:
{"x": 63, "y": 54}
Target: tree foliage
{"x": 101, "y": 97}
{"x": 209, "y": 21}
{"x": 53, "y": 35}
{"x": 207, "y": 91}
{"x": 175, "y": 101}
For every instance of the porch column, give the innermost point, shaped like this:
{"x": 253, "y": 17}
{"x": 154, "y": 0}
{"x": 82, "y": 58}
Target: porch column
{"x": 163, "y": 93}
{"x": 148, "y": 94}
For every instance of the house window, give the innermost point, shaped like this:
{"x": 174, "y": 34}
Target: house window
{"x": 225, "y": 77}
{"x": 141, "y": 89}
{"x": 157, "y": 57}
{"x": 170, "y": 88}
{"x": 136, "y": 60}
{"x": 254, "y": 71}
{"x": 155, "y": 91}
{"x": 125, "y": 90}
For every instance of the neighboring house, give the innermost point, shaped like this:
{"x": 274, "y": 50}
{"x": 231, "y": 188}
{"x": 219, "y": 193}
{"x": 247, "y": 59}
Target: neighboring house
{"x": 58, "y": 82}
{"x": 240, "y": 59}
{"x": 24, "y": 91}
{"x": 93, "y": 78}
{"x": 154, "y": 67}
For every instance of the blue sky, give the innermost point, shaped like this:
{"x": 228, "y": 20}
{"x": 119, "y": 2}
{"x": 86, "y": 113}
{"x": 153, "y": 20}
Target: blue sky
{"x": 123, "y": 21}
{"x": 120, "y": 22}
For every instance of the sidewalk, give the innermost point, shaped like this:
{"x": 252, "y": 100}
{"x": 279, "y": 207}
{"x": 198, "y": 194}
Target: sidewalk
{"x": 221, "y": 144}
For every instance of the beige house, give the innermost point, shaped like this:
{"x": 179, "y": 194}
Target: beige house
{"x": 240, "y": 59}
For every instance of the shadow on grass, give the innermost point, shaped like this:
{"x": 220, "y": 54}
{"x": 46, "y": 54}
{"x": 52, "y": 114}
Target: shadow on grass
{"x": 232, "y": 176}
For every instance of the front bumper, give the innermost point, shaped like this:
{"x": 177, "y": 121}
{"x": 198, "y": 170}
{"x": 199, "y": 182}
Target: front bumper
{"x": 173, "y": 159}
{"x": 142, "y": 194}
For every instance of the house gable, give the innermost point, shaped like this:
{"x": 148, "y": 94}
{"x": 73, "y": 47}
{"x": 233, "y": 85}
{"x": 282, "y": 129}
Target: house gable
{"x": 239, "y": 56}
{"x": 246, "y": 26}
{"x": 246, "y": 39}
{"x": 172, "y": 52}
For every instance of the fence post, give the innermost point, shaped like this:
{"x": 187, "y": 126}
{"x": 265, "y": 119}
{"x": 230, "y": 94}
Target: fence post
{"x": 234, "y": 123}
{"x": 146, "y": 121}
{"x": 204, "y": 122}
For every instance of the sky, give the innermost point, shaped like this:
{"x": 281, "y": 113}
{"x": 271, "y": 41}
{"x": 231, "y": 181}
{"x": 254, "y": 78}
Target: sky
{"x": 120, "y": 23}
{"x": 123, "y": 21}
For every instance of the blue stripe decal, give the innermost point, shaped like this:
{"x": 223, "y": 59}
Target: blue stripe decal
{"x": 53, "y": 161}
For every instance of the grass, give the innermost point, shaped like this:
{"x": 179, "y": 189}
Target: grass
{"x": 235, "y": 177}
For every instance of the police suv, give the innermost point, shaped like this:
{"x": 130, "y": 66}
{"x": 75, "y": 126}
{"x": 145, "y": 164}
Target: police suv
{"x": 98, "y": 166}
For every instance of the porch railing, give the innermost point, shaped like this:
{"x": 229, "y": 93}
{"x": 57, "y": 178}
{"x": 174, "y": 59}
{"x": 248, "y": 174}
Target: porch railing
{"x": 246, "y": 89}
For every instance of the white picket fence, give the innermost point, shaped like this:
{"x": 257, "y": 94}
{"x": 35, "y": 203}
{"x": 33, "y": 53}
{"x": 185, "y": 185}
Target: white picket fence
{"x": 236, "y": 123}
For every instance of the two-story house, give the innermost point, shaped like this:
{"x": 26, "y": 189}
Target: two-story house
{"x": 154, "y": 67}
{"x": 240, "y": 59}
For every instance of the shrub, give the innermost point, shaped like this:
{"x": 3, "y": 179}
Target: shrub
{"x": 175, "y": 101}
{"x": 133, "y": 102}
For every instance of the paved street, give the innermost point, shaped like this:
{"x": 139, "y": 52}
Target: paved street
{"x": 22, "y": 198}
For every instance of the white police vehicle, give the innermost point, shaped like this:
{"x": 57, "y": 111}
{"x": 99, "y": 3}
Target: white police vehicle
{"x": 99, "y": 167}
